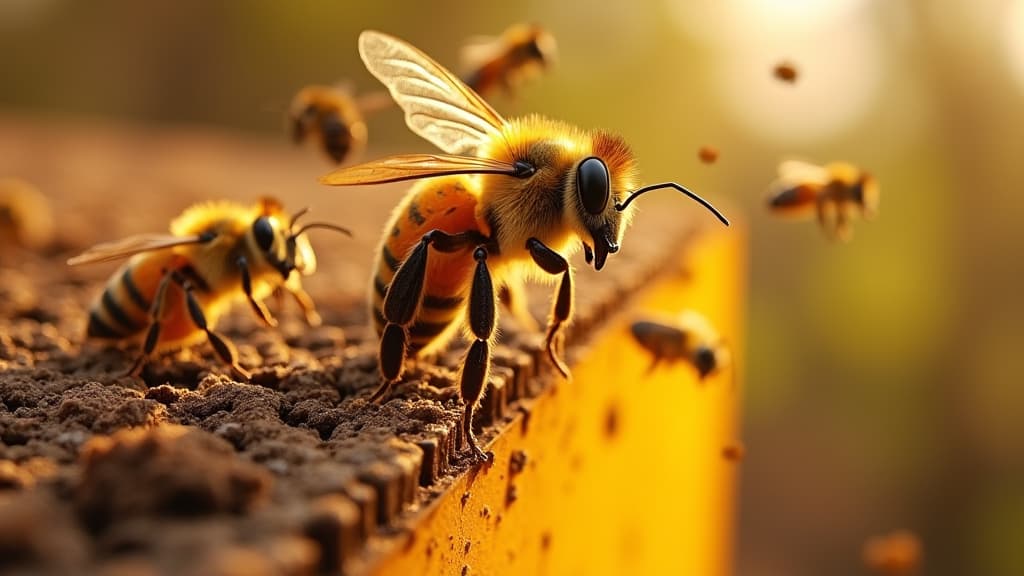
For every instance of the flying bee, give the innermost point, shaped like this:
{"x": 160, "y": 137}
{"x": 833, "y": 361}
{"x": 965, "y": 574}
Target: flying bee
{"x": 521, "y": 52}
{"x": 836, "y": 192}
{"x": 175, "y": 287}
{"x": 507, "y": 199}
{"x": 26, "y": 219}
{"x": 335, "y": 117}
{"x": 690, "y": 337}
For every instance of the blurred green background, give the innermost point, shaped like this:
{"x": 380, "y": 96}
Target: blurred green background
{"x": 880, "y": 389}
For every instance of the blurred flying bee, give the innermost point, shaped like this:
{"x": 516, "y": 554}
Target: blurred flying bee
{"x": 689, "y": 337}
{"x": 26, "y": 219}
{"x": 175, "y": 287}
{"x": 786, "y": 72}
{"x": 836, "y": 192}
{"x": 895, "y": 554}
{"x": 335, "y": 117}
{"x": 507, "y": 199}
{"x": 521, "y": 52}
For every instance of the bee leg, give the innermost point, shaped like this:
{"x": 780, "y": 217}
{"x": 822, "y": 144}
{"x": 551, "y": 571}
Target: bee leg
{"x": 553, "y": 263}
{"x": 513, "y": 296}
{"x": 403, "y": 299}
{"x": 156, "y": 312}
{"x": 222, "y": 346}
{"x": 655, "y": 361}
{"x": 258, "y": 307}
{"x": 482, "y": 318}
{"x": 305, "y": 302}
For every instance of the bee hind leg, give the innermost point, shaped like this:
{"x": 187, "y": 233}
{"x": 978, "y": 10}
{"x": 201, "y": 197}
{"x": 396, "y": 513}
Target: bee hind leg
{"x": 553, "y": 263}
{"x": 156, "y": 312}
{"x": 403, "y": 300}
{"x": 482, "y": 318}
{"x": 222, "y": 346}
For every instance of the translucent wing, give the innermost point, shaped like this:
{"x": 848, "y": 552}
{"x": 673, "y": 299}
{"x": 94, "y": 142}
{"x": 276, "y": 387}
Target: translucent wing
{"x": 792, "y": 172}
{"x": 477, "y": 50}
{"x": 415, "y": 166}
{"x": 438, "y": 106}
{"x": 131, "y": 246}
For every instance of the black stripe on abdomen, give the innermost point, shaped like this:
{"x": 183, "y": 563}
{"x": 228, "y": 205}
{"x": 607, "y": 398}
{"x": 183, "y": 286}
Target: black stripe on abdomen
{"x": 99, "y": 329}
{"x": 116, "y": 313}
{"x": 133, "y": 291}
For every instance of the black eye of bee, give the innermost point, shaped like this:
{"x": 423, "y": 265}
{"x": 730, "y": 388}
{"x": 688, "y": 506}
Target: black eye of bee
{"x": 593, "y": 184}
{"x": 263, "y": 231}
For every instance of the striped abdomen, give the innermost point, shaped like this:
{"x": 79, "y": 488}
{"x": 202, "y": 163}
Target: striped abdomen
{"x": 123, "y": 308}
{"x": 442, "y": 204}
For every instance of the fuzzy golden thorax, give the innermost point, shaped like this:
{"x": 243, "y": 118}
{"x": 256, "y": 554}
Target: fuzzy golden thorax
{"x": 555, "y": 205}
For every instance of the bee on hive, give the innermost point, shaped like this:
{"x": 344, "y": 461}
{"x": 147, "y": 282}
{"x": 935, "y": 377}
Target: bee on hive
{"x": 507, "y": 199}
{"x": 836, "y": 192}
{"x": 507, "y": 61}
{"x": 689, "y": 337}
{"x": 175, "y": 286}
{"x": 334, "y": 117}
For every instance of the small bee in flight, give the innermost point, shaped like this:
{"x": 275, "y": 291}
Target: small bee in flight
{"x": 335, "y": 117}
{"x": 836, "y": 192}
{"x": 507, "y": 61}
{"x": 690, "y": 337}
{"x": 506, "y": 199}
{"x": 175, "y": 286}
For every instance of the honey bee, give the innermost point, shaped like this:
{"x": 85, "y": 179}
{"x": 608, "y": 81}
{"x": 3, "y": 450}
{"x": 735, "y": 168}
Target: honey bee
{"x": 175, "y": 287}
{"x": 786, "y": 72}
{"x": 689, "y": 337}
{"x": 507, "y": 199}
{"x": 507, "y": 61}
{"x": 26, "y": 219}
{"x": 335, "y": 117}
{"x": 837, "y": 192}
{"x": 898, "y": 553}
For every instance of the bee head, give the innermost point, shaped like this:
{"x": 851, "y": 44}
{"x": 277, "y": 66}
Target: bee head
{"x": 705, "y": 360}
{"x": 285, "y": 248}
{"x": 867, "y": 195}
{"x": 590, "y": 191}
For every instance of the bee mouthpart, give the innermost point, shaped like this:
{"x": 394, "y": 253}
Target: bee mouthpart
{"x": 588, "y": 253}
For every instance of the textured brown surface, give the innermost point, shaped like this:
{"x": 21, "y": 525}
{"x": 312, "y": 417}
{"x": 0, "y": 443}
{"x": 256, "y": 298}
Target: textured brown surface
{"x": 184, "y": 470}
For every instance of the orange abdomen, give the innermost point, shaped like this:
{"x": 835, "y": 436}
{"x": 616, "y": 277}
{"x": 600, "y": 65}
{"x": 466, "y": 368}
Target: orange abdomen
{"x": 446, "y": 204}
{"x": 123, "y": 310}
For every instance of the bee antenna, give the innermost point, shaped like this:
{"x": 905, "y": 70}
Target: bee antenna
{"x": 295, "y": 218}
{"x": 622, "y": 206}
{"x": 324, "y": 225}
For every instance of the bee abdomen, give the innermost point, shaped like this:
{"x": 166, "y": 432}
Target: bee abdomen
{"x": 121, "y": 311}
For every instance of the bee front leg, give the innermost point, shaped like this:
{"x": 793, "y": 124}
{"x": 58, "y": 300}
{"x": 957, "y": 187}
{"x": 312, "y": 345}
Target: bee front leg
{"x": 482, "y": 318}
{"x": 258, "y": 307}
{"x": 553, "y": 263}
{"x": 402, "y": 300}
{"x": 304, "y": 300}
{"x": 222, "y": 346}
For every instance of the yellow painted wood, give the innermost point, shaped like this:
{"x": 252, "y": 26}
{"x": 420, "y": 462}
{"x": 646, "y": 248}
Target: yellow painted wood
{"x": 623, "y": 471}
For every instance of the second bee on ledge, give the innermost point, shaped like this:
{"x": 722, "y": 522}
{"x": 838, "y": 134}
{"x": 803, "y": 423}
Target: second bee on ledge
{"x": 176, "y": 286}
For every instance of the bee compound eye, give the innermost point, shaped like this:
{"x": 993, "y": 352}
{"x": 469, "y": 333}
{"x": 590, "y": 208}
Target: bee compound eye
{"x": 263, "y": 231}
{"x": 593, "y": 184}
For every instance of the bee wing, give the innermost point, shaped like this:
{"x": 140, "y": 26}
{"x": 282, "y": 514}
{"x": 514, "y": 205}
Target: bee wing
{"x": 793, "y": 172}
{"x": 438, "y": 106}
{"x": 477, "y": 50}
{"x": 415, "y": 166}
{"x": 109, "y": 251}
